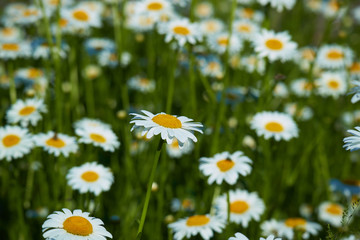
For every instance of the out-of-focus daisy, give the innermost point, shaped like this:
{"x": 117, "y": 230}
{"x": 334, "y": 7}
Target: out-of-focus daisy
{"x": 204, "y": 10}
{"x": 90, "y": 177}
{"x": 250, "y": 14}
{"x": 240, "y": 236}
{"x": 181, "y": 3}
{"x": 91, "y": 123}
{"x": 211, "y": 26}
{"x": 81, "y": 17}
{"x": 94, "y": 46}
{"x": 275, "y": 46}
{"x": 303, "y": 113}
{"x": 92, "y": 71}
{"x": 99, "y": 137}
{"x": 245, "y": 29}
{"x": 356, "y": 91}
{"x": 354, "y": 70}
{"x": 308, "y": 228}
{"x": 271, "y": 226}
{"x": 181, "y": 30}
{"x": 29, "y": 75}
{"x": 56, "y": 143}
{"x": 332, "y": 84}
{"x": 93, "y": 6}
{"x": 169, "y": 126}
{"x": 331, "y": 213}
{"x": 42, "y": 49}
{"x": 244, "y": 207}
{"x": 233, "y": 95}
{"x": 26, "y": 112}
{"x": 274, "y": 125}
{"x": 154, "y": 8}
{"x": 305, "y": 58}
{"x": 73, "y": 225}
{"x": 351, "y": 237}
{"x": 281, "y": 90}
{"x": 15, "y": 142}
{"x": 225, "y": 167}
{"x": 187, "y": 204}
{"x": 205, "y": 225}
{"x": 219, "y": 43}
{"x": 175, "y": 151}
{"x": 13, "y": 50}
{"x": 10, "y": 34}
{"x": 252, "y": 63}
{"x": 141, "y": 22}
{"x": 280, "y": 5}
{"x": 211, "y": 66}
{"x": 331, "y": 9}
{"x": 141, "y": 84}
{"x": 334, "y": 56}
{"x": 302, "y": 87}
{"x": 28, "y": 15}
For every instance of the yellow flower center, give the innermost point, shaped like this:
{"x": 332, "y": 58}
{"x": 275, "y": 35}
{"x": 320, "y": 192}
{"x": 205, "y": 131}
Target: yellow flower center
{"x": 213, "y": 66}
{"x": 97, "y": 138}
{"x": 335, "y": 55}
{"x": 355, "y": 67}
{"x": 90, "y": 176}
{"x": 27, "y": 110}
{"x": 63, "y": 22}
{"x": 78, "y": 226}
{"x": 167, "y": 121}
{"x": 29, "y": 12}
{"x": 55, "y": 142}
{"x": 274, "y": 127}
{"x": 239, "y": 207}
{"x": 181, "y": 30}
{"x": 10, "y": 140}
{"x": 225, "y": 165}
{"x": 54, "y": 2}
{"x": 7, "y": 31}
{"x": 334, "y": 209}
{"x": 155, "y": 6}
{"x": 81, "y": 15}
{"x": 210, "y": 26}
{"x": 274, "y": 44}
{"x": 308, "y": 54}
{"x": 248, "y": 13}
{"x": 224, "y": 41}
{"x": 197, "y": 220}
{"x": 244, "y": 28}
{"x": 308, "y": 86}
{"x": 10, "y": 47}
{"x": 333, "y": 84}
{"x": 34, "y": 73}
{"x": 295, "y": 222}
{"x": 175, "y": 143}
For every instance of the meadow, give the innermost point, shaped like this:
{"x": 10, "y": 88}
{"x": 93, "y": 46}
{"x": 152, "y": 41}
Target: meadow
{"x": 179, "y": 119}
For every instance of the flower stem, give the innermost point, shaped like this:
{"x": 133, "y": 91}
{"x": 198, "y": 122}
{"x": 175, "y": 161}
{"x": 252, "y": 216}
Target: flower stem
{"x": 148, "y": 192}
{"x": 228, "y": 206}
{"x": 12, "y": 87}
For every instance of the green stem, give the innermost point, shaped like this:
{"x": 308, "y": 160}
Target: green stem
{"x": 192, "y": 81}
{"x": 148, "y": 192}
{"x": 12, "y": 88}
{"x": 228, "y": 206}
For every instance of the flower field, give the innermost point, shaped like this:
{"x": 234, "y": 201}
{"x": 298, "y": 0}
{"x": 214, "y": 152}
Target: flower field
{"x": 179, "y": 119}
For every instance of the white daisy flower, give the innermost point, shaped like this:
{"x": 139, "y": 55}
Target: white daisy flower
{"x": 89, "y": 123}
{"x": 169, "y": 126}
{"x": 332, "y": 84}
{"x": 280, "y": 5}
{"x": 56, "y": 143}
{"x": 13, "y": 50}
{"x": 281, "y": 90}
{"x": 154, "y": 8}
{"x": 308, "y": 228}
{"x": 182, "y": 30}
{"x": 331, "y": 213}
{"x": 211, "y": 26}
{"x": 141, "y": 84}
{"x": 73, "y": 225}
{"x": 250, "y": 14}
{"x": 219, "y": 42}
{"x": 303, "y": 113}
{"x": 334, "y": 56}
{"x": 356, "y": 91}
{"x": 10, "y": 34}
{"x": 175, "y": 151}
{"x": 27, "y": 16}
{"x": 15, "y": 142}
{"x": 244, "y": 207}
{"x": 274, "y": 125}
{"x": 253, "y": 63}
{"x": 29, "y": 74}
{"x": 99, "y": 137}
{"x": 354, "y": 70}
{"x": 205, "y": 225}
{"x": 302, "y": 87}
{"x": 225, "y": 167}
{"x": 81, "y": 17}
{"x": 26, "y": 112}
{"x": 90, "y": 177}
{"x": 274, "y": 46}
{"x": 93, "y": 6}
{"x": 245, "y": 29}
{"x": 271, "y": 226}
{"x": 352, "y": 143}
{"x": 140, "y": 22}
{"x": 240, "y": 236}
{"x": 204, "y": 10}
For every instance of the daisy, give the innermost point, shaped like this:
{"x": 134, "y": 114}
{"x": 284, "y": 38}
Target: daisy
{"x": 331, "y": 213}
{"x": 175, "y": 151}
{"x": 244, "y": 207}
{"x": 353, "y": 143}
{"x": 181, "y": 30}
{"x": 211, "y": 66}
{"x": 274, "y": 125}
{"x": 303, "y": 113}
{"x": 274, "y": 46}
{"x": 92, "y": 71}
{"x": 10, "y": 34}
{"x": 15, "y": 142}
{"x": 219, "y": 43}
{"x": 225, "y": 167}
{"x": 302, "y": 87}
{"x": 279, "y": 4}
{"x": 332, "y": 84}
{"x": 90, "y": 177}
{"x": 348, "y": 187}
{"x": 141, "y": 84}
{"x": 334, "y": 57}
{"x": 28, "y": 15}
{"x": 281, "y": 90}
{"x": 250, "y": 14}
{"x": 153, "y": 8}
{"x": 56, "y": 143}
{"x": 13, "y": 50}
{"x": 73, "y": 225}
{"x": 271, "y": 226}
{"x": 169, "y": 126}
{"x": 211, "y": 26}
{"x": 205, "y": 225}
{"x": 355, "y": 90}
{"x": 108, "y": 59}
{"x": 26, "y": 112}
{"x": 245, "y": 29}
{"x": 240, "y": 236}
{"x": 308, "y": 228}
{"x": 94, "y": 46}
{"x": 204, "y": 10}
{"x": 99, "y": 137}
{"x": 141, "y": 22}
{"x": 29, "y": 75}
{"x": 89, "y": 123}
{"x": 81, "y": 17}
{"x": 252, "y": 64}
{"x": 354, "y": 70}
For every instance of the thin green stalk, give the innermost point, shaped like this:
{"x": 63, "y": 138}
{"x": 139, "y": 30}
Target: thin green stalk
{"x": 29, "y": 181}
{"x": 74, "y": 81}
{"x": 192, "y": 81}
{"x": 148, "y": 192}
{"x": 228, "y": 206}
{"x": 12, "y": 87}
{"x": 207, "y": 88}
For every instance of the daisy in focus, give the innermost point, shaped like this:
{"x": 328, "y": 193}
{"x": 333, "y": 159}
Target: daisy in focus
{"x": 244, "y": 207}
{"x": 74, "y": 225}
{"x": 169, "y": 126}
{"x": 225, "y": 167}
{"x": 274, "y": 46}
{"x": 81, "y": 17}
{"x": 205, "y": 225}
{"x": 280, "y": 5}
{"x": 274, "y": 125}
{"x": 331, "y": 213}
{"x": 15, "y": 142}
{"x": 90, "y": 177}
{"x": 56, "y": 143}
{"x": 26, "y": 112}
{"x": 99, "y": 137}
{"x": 334, "y": 57}
{"x": 353, "y": 143}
